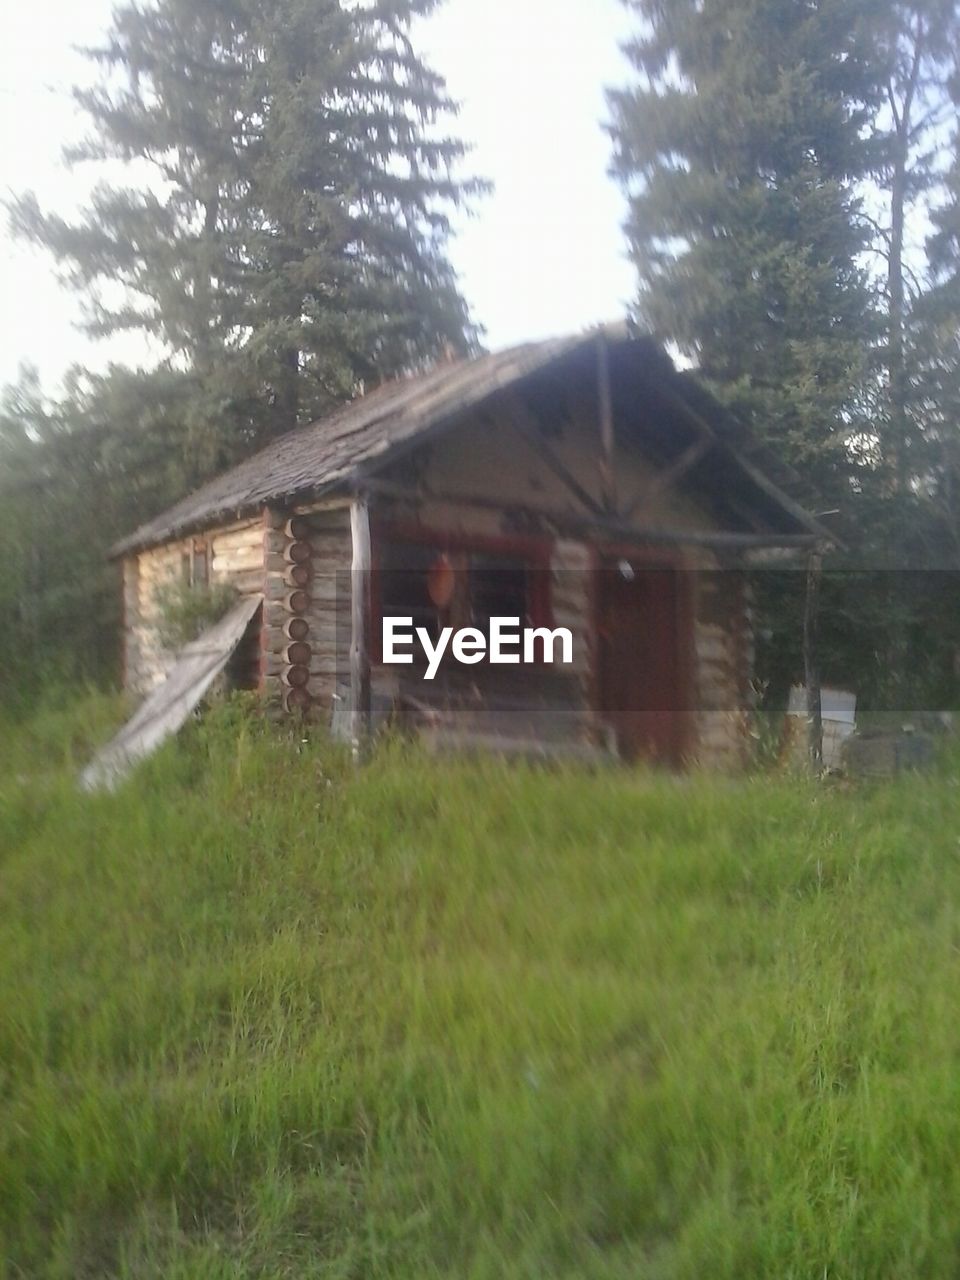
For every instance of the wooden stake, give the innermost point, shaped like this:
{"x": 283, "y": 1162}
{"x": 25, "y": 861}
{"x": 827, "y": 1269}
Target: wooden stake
{"x": 360, "y": 646}
{"x": 811, "y": 658}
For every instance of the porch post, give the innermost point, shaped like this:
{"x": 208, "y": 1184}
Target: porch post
{"x": 359, "y": 616}
{"x": 811, "y": 658}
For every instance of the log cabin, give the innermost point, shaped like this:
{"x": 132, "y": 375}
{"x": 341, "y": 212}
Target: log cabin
{"x": 582, "y": 483}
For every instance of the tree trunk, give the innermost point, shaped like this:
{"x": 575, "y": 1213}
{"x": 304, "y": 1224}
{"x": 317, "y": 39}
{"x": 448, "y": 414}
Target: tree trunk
{"x": 288, "y": 390}
{"x": 203, "y": 287}
{"x": 897, "y": 370}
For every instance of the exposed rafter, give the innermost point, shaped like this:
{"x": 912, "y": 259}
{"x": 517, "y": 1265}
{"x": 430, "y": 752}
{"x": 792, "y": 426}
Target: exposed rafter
{"x": 670, "y": 477}
{"x": 529, "y": 428}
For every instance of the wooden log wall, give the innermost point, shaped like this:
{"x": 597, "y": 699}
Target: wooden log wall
{"x": 301, "y": 562}
{"x": 571, "y": 602}
{"x": 724, "y": 648}
{"x": 235, "y": 557}
{"x": 155, "y": 568}
{"x": 131, "y": 648}
{"x": 305, "y": 639}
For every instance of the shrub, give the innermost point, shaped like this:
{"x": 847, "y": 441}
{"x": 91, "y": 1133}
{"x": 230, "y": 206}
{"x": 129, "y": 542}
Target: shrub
{"x": 187, "y": 611}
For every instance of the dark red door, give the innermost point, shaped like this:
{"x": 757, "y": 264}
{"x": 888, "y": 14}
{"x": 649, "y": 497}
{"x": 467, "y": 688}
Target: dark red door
{"x": 641, "y": 659}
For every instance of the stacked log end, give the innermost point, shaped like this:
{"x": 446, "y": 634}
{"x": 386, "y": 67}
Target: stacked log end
{"x": 285, "y": 637}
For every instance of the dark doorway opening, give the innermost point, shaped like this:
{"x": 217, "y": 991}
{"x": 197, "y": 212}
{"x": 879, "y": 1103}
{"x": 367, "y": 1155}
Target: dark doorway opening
{"x": 643, "y": 641}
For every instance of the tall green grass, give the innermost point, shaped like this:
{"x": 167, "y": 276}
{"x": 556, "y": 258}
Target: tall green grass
{"x": 264, "y": 1016}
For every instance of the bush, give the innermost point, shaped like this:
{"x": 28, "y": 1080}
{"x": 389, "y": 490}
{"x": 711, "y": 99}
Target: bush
{"x": 186, "y": 611}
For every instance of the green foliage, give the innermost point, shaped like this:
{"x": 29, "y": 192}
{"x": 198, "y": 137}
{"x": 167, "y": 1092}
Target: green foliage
{"x": 274, "y": 1017}
{"x": 936, "y": 388}
{"x": 76, "y": 475}
{"x": 282, "y": 235}
{"x": 186, "y": 610}
{"x": 913, "y": 44}
{"x": 740, "y": 149}
{"x": 776, "y": 155}
{"x": 292, "y": 243}
{"x": 860, "y": 611}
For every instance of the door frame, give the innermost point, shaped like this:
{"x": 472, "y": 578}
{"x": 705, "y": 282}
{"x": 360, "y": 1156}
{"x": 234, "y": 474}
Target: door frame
{"x": 652, "y": 557}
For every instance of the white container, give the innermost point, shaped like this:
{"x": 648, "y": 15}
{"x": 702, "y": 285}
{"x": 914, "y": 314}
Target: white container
{"x": 838, "y": 711}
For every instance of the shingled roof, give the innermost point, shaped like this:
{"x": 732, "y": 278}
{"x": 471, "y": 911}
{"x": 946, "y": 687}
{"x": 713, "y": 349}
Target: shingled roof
{"x": 366, "y": 434}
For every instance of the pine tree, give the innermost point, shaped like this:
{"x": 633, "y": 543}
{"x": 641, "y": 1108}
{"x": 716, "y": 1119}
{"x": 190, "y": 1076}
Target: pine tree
{"x": 912, "y": 45}
{"x": 741, "y": 150}
{"x": 935, "y": 348}
{"x": 290, "y": 243}
{"x": 756, "y": 126}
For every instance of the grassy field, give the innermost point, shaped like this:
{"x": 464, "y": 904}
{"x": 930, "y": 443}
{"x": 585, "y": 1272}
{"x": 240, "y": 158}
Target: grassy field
{"x": 265, "y": 1017}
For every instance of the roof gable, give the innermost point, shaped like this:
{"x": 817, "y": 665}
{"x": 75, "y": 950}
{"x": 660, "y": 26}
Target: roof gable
{"x": 368, "y": 433}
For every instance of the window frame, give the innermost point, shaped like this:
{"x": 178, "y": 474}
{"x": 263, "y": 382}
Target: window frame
{"x": 196, "y": 549}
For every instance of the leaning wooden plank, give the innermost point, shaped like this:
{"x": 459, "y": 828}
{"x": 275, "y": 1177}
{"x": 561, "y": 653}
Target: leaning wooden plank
{"x": 168, "y": 707}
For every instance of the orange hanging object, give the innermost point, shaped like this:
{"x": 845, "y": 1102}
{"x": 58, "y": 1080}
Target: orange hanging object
{"x": 441, "y": 581}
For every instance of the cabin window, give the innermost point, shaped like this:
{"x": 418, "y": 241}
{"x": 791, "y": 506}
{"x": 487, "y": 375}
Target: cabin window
{"x": 441, "y": 587}
{"x": 404, "y": 579}
{"x": 201, "y": 564}
{"x": 195, "y": 565}
{"x": 499, "y": 587}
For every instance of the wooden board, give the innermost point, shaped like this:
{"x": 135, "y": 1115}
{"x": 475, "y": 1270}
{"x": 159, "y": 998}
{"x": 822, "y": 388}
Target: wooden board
{"x": 170, "y": 704}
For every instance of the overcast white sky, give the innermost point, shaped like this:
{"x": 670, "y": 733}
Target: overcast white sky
{"x": 544, "y": 255}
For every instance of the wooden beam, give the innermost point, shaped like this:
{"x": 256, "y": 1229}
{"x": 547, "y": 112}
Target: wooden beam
{"x": 304, "y": 508}
{"x": 671, "y": 475}
{"x": 712, "y": 541}
{"x": 811, "y": 658}
{"x": 566, "y": 524}
{"x": 762, "y": 482}
{"x": 608, "y": 482}
{"x": 793, "y": 558}
{"x": 359, "y": 639}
